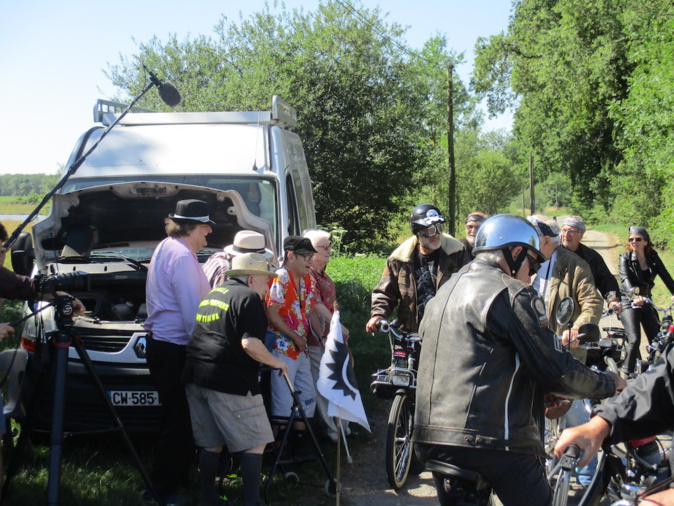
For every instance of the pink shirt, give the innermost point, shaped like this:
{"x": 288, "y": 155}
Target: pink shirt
{"x": 176, "y": 284}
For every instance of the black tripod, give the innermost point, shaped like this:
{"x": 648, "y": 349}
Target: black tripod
{"x": 61, "y": 341}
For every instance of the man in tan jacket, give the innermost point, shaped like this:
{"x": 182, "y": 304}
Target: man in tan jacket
{"x": 564, "y": 274}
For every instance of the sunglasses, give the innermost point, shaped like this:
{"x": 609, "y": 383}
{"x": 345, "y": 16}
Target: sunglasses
{"x": 431, "y": 231}
{"x": 534, "y": 265}
{"x": 637, "y": 239}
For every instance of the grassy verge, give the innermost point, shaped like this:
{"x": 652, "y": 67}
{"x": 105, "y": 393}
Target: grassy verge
{"x": 19, "y": 205}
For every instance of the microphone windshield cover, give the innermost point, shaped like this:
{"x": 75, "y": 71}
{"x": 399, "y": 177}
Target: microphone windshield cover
{"x": 169, "y": 94}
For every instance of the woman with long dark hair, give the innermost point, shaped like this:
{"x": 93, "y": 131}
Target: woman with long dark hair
{"x": 639, "y": 266}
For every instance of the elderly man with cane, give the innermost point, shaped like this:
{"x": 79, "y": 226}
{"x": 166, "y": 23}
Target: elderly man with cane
{"x": 221, "y": 376}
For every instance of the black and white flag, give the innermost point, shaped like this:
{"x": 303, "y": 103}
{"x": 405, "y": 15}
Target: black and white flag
{"x": 336, "y": 380}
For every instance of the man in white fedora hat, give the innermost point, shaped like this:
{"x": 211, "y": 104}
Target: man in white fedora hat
{"x": 221, "y": 375}
{"x": 245, "y": 241}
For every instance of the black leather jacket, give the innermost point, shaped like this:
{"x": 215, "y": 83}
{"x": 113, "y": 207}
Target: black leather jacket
{"x": 605, "y": 281}
{"x": 632, "y": 276}
{"x": 645, "y": 407}
{"x": 487, "y": 360}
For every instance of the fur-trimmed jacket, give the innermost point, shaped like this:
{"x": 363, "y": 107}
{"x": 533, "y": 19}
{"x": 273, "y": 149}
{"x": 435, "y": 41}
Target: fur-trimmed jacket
{"x": 398, "y": 288}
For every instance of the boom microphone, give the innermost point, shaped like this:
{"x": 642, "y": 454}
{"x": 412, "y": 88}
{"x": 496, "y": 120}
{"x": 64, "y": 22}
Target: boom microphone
{"x": 167, "y": 92}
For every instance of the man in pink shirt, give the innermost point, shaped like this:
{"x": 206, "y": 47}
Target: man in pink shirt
{"x": 176, "y": 284}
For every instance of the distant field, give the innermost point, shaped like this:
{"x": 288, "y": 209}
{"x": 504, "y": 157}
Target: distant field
{"x": 11, "y": 205}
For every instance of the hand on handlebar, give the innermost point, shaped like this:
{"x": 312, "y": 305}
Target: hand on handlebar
{"x": 373, "y": 324}
{"x": 615, "y": 306}
{"x": 620, "y": 382}
{"x": 588, "y": 437}
{"x": 572, "y": 340}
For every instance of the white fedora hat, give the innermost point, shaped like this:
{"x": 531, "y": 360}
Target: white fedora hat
{"x": 247, "y": 241}
{"x": 249, "y": 264}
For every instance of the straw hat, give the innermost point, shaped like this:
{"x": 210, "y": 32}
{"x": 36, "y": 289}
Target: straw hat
{"x": 247, "y": 241}
{"x": 249, "y": 264}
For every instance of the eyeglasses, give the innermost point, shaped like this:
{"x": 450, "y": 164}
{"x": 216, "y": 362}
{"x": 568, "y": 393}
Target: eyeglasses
{"x": 308, "y": 257}
{"x": 431, "y": 231}
{"x": 326, "y": 247}
{"x": 637, "y": 239}
{"x": 570, "y": 231}
{"x": 534, "y": 265}
{"x": 472, "y": 227}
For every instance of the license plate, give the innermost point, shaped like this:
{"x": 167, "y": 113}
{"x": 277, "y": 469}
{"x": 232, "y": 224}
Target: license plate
{"x": 134, "y": 398}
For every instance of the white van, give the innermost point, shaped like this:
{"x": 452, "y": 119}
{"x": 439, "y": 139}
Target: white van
{"x": 108, "y": 217}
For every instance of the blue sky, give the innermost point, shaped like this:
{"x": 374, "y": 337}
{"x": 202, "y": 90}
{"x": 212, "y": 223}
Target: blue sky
{"x": 52, "y": 56}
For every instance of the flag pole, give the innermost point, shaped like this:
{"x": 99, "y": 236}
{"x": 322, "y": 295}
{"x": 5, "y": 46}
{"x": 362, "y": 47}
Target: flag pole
{"x": 339, "y": 454}
{"x": 349, "y": 460}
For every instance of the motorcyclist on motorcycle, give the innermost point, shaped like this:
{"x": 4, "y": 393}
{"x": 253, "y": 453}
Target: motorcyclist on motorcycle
{"x": 489, "y": 357}
{"x": 644, "y": 408}
{"x": 415, "y": 270}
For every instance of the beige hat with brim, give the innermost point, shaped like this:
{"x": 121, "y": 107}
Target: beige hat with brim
{"x": 250, "y": 264}
{"x": 248, "y": 241}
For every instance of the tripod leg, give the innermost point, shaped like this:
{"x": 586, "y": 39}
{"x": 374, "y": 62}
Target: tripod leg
{"x": 82, "y": 352}
{"x": 61, "y": 343}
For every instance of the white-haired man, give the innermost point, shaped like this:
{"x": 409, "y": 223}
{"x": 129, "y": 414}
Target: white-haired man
{"x": 573, "y": 230}
{"x": 324, "y": 306}
{"x": 564, "y": 275}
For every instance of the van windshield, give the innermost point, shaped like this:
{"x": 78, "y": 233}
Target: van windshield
{"x": 259, "y": 194}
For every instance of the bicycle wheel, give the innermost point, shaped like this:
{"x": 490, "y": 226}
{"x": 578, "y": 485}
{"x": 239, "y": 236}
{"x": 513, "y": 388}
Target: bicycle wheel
{"x": 399, "y": 449}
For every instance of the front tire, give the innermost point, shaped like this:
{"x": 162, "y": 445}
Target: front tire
{"x": 399, "y": 446}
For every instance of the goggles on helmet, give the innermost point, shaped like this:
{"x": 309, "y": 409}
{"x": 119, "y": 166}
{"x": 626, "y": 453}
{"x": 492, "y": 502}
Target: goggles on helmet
{"x": 431, "y": 231}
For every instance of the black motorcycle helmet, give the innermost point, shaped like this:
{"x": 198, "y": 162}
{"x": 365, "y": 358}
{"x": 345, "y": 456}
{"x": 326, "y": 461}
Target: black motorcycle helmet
{"x": 424, "y": 215}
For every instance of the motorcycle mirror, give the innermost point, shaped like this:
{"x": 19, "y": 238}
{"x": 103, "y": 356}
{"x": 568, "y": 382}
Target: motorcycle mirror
{"x": 589, "y": 333}
{"x": 565, "y": 310}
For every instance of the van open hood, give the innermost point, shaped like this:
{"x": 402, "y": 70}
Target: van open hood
{"x": 125, "y": 214}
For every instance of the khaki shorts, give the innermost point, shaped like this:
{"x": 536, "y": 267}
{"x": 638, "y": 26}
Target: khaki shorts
{"x": 219, "y": 419}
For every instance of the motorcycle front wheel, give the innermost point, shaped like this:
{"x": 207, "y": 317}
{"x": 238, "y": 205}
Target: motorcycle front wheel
{"x": 399, "y": 448}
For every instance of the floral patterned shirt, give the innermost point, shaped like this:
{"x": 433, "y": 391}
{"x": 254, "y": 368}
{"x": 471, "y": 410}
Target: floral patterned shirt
{"x": 293, "y": 307}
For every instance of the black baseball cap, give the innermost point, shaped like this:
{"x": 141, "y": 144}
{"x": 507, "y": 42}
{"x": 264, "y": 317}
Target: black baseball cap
{"x": 298, "y": 245}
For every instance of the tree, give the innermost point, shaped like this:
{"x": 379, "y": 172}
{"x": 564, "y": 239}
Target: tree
{"x": 563, "y": 65}
{"x": 361, "y": 117}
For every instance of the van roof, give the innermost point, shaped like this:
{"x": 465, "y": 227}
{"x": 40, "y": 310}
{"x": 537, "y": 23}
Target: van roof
{"x": 177, "y": 149}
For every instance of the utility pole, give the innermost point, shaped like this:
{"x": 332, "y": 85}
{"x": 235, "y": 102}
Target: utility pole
{"x": 450, "y": 149}
{"x": 531, "y": 184}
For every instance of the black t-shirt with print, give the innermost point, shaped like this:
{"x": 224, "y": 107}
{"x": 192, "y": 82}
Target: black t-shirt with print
{"x": 215, "y": 355}
{"x": 425, "y": 276}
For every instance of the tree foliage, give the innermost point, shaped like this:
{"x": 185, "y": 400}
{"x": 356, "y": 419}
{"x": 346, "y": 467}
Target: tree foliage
{"x": 27, "y": 185}
{"x": 372, "y": 113}
{"x": 592, "y": 85}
